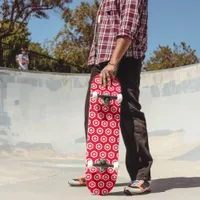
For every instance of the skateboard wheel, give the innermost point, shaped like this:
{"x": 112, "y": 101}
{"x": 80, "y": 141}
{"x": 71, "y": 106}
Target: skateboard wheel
{"x": 90, "y": 164}
{"x": 116, "y": 166}
{"x": 94, "y": 95}
{"x": 119, "y": 98}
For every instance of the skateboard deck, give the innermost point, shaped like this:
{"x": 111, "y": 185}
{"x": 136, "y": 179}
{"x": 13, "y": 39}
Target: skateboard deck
{"x": 103, "y": 137}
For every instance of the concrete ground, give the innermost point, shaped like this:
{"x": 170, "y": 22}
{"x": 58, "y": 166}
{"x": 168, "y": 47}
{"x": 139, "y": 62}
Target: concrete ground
{"x": 48, "y": 179}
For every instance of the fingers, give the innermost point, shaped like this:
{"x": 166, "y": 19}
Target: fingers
{"x": 111, "y": 75}
{"x": 103, "y": 78}
{"x": 106, "y": 77}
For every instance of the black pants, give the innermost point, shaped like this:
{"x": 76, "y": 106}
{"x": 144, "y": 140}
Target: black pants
{"x": 133, "y": 122}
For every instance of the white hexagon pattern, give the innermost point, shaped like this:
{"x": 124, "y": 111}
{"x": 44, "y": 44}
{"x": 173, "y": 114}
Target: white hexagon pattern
{"x": 100, "y": 131}
{"x": 99, "y": 146}
{"x": 96, "y": 123}
{"x": 104, "y": 124}
{"x": 100, "y": 115}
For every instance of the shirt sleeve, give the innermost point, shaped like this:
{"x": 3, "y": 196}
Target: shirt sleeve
{"x": 129, "y": 17}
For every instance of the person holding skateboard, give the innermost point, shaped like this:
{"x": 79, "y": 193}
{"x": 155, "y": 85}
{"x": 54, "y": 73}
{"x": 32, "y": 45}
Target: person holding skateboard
{"x": 118, "y": 49}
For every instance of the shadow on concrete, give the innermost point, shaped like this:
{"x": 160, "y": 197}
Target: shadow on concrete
{"x": 163, "y": 185}
{"x": 121, "y": 184}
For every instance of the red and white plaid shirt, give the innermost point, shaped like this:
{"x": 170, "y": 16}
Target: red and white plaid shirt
{"x": 120, "y": 18}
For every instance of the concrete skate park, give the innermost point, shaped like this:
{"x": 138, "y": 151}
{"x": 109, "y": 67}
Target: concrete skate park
{"x": 42, "y": 143}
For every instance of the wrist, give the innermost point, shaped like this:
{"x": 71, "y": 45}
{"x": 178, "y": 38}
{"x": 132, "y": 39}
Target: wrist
{"x": 113, "y": 64}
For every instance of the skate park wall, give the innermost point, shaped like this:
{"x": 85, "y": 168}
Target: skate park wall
{"x": 44, "y": 112}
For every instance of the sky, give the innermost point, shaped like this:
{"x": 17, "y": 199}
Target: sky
{"x": 169, "y": 21}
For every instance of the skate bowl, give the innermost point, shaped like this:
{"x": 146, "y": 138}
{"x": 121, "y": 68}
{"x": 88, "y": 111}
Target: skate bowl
{"x": 42, "y": 114}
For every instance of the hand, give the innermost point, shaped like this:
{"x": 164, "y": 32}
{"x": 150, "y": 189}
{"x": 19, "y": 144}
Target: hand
{"x": 107, "y": 75}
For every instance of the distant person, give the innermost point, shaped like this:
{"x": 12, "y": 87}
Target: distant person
{"x": 23, "y": 59}
{"x": 119, "y": 47}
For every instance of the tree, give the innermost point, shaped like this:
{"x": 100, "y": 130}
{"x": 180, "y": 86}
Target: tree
{"x": 11, "y": 45}
{"x": 73, "y": 43}
{"x": 39, "y": 57}
{"x": 36, "y": 47}
{"x": 16, "y": 13}
{"x": 165, "y": 57}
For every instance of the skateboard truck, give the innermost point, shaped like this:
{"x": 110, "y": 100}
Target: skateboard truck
{"x": 107, "y": 98}
{"x": 102, "y": 165}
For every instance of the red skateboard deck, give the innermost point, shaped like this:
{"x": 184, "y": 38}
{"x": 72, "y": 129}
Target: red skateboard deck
{"x": 103, "y": 137}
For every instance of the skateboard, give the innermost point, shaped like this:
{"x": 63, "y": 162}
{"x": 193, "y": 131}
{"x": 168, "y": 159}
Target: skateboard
{"x": 103, "y": 137}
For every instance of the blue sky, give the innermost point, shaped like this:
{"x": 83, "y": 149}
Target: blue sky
{"x": 169, "y": 21}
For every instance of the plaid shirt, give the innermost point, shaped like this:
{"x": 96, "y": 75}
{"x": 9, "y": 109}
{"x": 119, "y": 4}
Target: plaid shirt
{"x": 119, "y": 18}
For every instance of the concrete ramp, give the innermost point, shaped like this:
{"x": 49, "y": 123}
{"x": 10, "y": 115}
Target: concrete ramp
{"x": 41, "y": 111}
{"x": 42, "y": 115}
